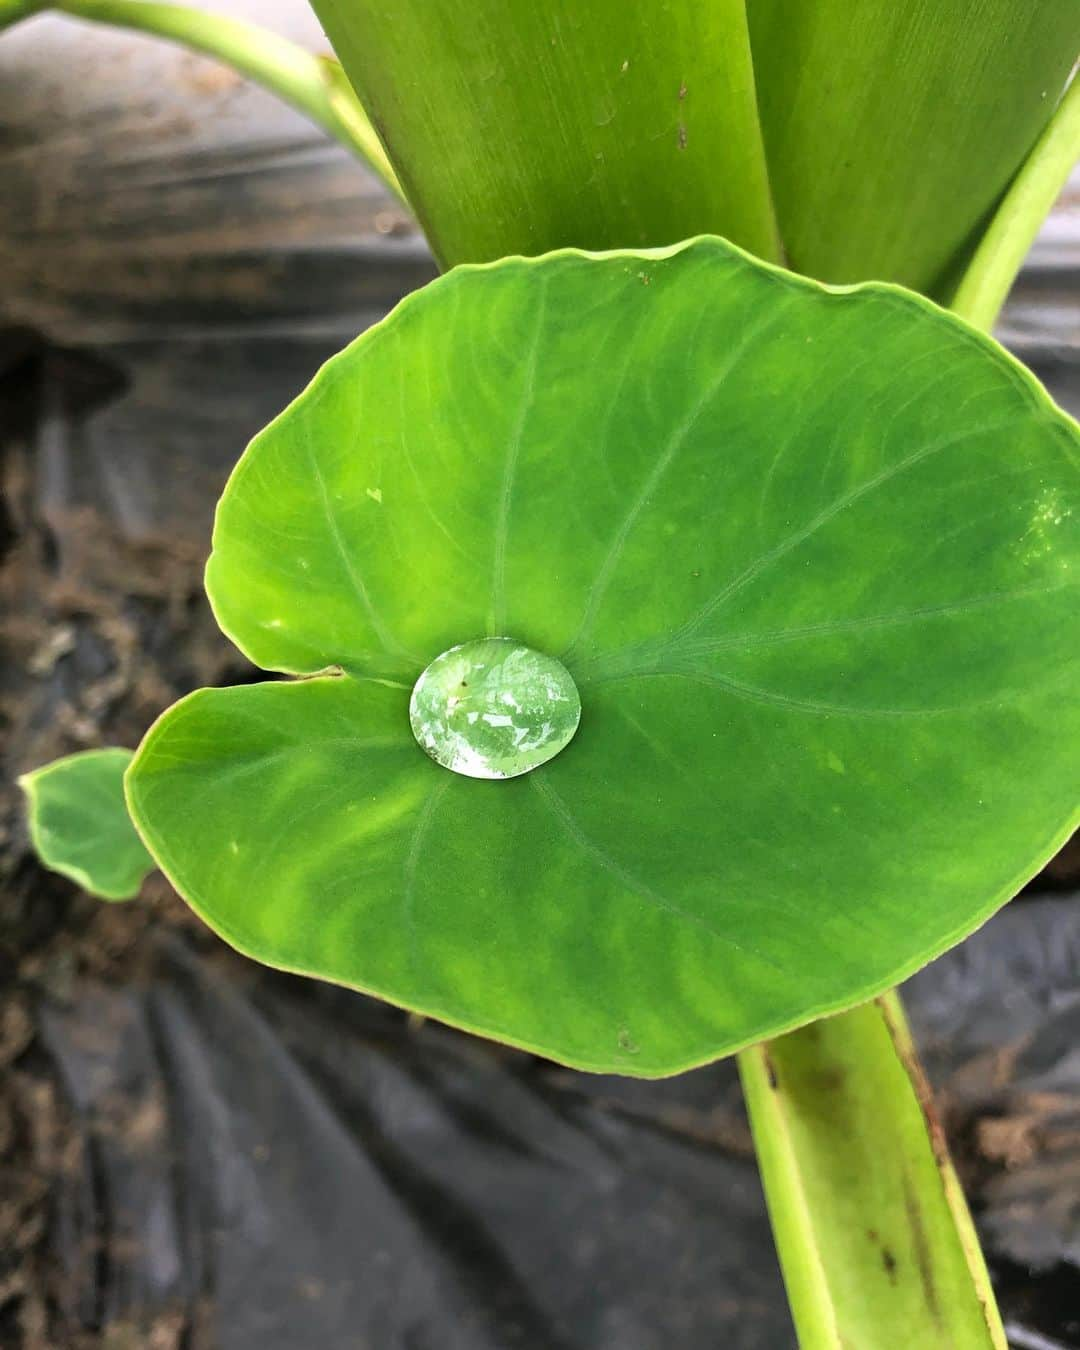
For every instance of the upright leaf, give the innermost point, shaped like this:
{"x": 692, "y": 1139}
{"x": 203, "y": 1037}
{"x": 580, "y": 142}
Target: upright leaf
{"x": 516, "y": 128}
{"x": 892, "y": 128}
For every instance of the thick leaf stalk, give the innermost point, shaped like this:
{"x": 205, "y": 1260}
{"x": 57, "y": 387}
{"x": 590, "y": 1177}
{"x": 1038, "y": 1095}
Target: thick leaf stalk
{"x": 870, "y": 1221}
{"x": 892, "y": 130}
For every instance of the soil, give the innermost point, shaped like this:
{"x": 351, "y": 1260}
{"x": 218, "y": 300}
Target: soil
{"x": 99, "y": 632}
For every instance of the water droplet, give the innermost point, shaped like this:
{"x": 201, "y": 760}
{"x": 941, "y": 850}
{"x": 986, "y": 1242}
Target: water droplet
{"x": 494, "y": 708}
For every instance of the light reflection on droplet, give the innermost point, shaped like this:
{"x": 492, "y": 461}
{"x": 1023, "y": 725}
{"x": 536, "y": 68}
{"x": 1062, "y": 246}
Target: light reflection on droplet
{"x": 494, "y": 708}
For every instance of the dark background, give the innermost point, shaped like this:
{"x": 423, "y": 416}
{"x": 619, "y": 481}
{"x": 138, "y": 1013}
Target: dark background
{"x": 202, "y": 1154}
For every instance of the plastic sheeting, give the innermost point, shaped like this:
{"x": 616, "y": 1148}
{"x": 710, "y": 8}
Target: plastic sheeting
{"x": 272, "y": 1164}
{"x": 312, "y": 1171}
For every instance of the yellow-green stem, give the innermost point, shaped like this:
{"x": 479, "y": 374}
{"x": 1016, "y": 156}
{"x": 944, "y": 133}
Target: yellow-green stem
{"x": 1008, "y": 238}
{"x": 314, "y": 85}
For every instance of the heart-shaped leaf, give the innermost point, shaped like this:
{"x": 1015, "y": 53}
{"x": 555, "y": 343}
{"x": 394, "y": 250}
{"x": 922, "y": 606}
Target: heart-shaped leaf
{"x": 79, "y": 823}
{"x": 810, "y": 556}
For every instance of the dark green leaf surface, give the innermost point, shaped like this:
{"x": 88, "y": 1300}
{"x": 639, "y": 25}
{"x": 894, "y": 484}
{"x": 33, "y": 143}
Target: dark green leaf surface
{"x": 810, "y": 557}
{"x": 80, "y": 826}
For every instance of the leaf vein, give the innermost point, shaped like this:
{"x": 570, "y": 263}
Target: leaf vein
{"x": 510, "y": 466}
{"x": 561, "y": 811}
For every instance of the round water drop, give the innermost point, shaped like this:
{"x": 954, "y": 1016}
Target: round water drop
{"x": 494, "y": 708}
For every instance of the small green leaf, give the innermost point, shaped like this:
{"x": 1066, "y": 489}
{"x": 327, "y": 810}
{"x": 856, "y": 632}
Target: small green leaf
{"x": 810, "y": 558}
{"x": 79, "y": 824}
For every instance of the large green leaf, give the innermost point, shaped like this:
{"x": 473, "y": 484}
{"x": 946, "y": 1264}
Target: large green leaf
{"x": 518, "y": 128}
{"x": 810, "y": 556}
{"x": 892, "y": 128}
{"x": 79, "y": 823}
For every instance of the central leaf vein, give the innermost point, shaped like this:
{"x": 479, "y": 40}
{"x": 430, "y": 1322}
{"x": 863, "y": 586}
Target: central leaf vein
{"x": 513, "y": 454}
{"x": 769, "y": 319}
{"x": 411, "y": 864}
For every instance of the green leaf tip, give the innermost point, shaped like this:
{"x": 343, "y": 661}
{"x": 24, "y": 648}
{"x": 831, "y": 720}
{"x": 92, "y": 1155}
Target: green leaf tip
{"x": 809, "y": 556}
{"x": 79, "y": 823}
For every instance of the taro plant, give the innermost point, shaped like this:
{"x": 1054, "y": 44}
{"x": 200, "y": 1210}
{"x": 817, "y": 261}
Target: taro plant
{"x": 683, "y": 647}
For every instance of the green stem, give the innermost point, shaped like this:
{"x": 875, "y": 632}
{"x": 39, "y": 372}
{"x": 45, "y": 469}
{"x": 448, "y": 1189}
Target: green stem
{"x": 870, "y": 1222}
{"x": 314, "y": 85}
{"x": 1001, "y": 252}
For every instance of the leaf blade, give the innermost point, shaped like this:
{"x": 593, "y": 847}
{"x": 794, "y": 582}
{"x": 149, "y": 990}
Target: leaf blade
{"x": 809, "y": 555}
{"x": 869, "y": 1217}
{"x": 80, "y": 827}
